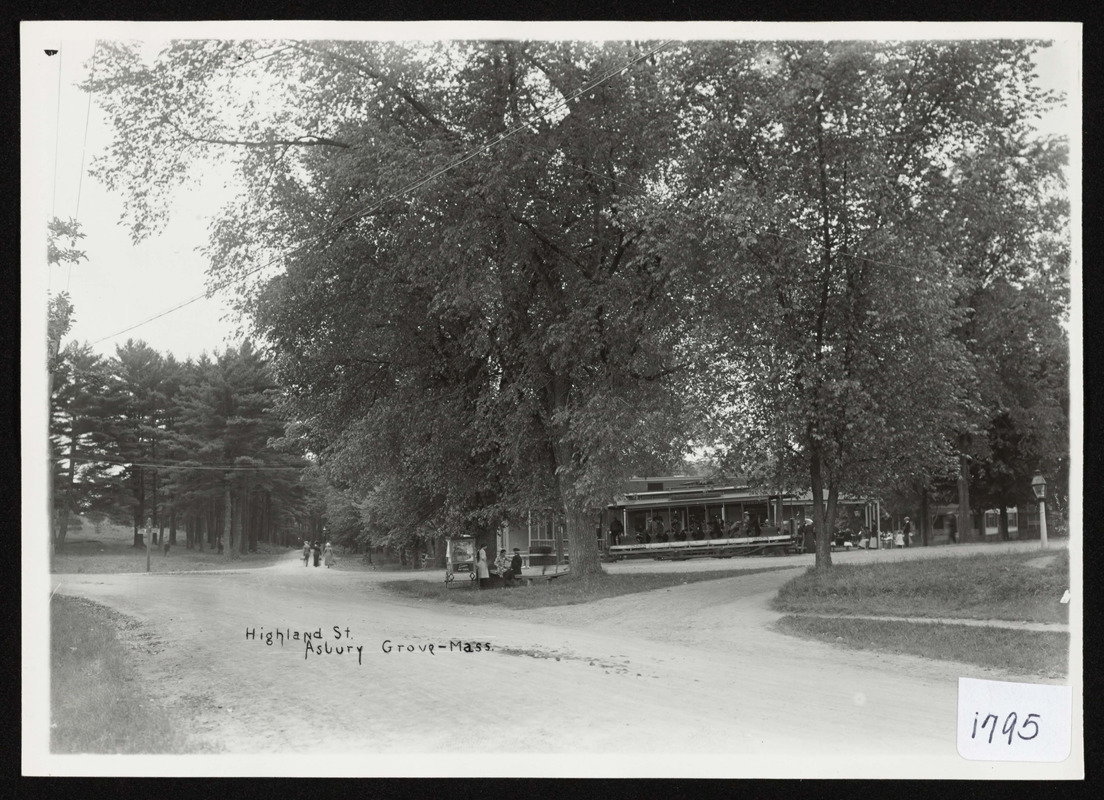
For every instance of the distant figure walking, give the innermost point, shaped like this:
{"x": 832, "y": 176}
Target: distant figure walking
{"x": 328, "y": 556}
{"x": 306, "y": 554}
{"x": 316, "y": 551}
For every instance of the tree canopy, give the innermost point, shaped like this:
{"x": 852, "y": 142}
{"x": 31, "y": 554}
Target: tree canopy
{"x": 505, "y": 275}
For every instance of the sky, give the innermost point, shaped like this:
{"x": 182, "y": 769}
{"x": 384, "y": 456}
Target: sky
{"x": 122, "y": 284}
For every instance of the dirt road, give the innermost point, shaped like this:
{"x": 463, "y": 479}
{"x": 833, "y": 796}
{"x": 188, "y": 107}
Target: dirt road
{"x": 685, "y": 680}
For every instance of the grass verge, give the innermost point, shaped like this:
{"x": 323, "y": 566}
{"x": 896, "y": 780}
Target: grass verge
{"x": 559, "y": 592}
{"x": 96, "y": 557}
{"x": 1005, "y": 586}
{"x": 97, "y": 702}
{"x": 1020, "y": 652}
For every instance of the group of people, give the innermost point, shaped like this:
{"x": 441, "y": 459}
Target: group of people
{"x": 505, "y": 570}
{"x": 313, "y": 550}
{"x": 655, "y": 531}
{"x": 865, "y": 539}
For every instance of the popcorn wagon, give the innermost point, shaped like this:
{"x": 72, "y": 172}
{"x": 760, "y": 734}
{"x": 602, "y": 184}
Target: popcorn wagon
{"x": 459, "y": 558}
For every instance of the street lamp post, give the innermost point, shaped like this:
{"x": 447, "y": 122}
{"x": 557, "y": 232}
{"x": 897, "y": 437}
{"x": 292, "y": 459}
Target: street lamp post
{"x": 1038, "y": 486}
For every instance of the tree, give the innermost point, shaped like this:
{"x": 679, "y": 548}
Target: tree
{"x": 515, "y": 303}
{"x": 814, "y": 171}
{"x": 506, "y": 284}
{"x": 59, "y": 320}
{"x": 83, "y": 460}
{"x": 1007, "y": 211}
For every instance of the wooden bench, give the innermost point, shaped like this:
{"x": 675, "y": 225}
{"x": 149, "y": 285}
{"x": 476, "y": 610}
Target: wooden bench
{"x": 544, "y": 576}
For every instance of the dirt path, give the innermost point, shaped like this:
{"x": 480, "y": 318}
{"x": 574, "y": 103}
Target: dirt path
{"x": 693, "y": 669}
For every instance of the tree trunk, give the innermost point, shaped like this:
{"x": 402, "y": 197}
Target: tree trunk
{"x": 823, "y": 539}
{"x": 925, "y": 519}
{"x": 1003, "y": 522}
{"x": 581, "y": 541}
{"x": 965, "y": 519}
{"x": 140, "y": 510}
{"x": 67, "y": 502}
{"x": 227, "y": 531}
{"x": 246, "y": 522}
{"x": 172, "y": 523}
{"x": 156, "y": 508}
{"x": 582, "y": 547}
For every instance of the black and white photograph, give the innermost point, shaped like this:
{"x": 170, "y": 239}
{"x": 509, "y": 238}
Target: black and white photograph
{"x": 487, "y": 399}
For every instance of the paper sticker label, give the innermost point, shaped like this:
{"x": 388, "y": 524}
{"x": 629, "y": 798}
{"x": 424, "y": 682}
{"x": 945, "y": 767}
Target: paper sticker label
{"x": 1000, "y": 721}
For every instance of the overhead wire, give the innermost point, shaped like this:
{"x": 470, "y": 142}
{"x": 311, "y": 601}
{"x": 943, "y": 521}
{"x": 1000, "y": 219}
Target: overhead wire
{"x": 57, "y": 134}
{"x": 408, "y": 188}
{"x": 84, "y": 145}
{"x": 57, "y": 139}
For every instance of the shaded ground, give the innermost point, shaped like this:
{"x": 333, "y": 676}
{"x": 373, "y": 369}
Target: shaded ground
{"x": 688, "y": 669}
{"x": 110, "y": 549}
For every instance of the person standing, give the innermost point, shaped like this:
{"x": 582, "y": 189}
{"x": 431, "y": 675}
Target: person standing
{"x": 482, "y": 572}
{"x": 515, "y": 564}
{"x": 907, "y": 531}
{"x": 616, "y": 530}
{"x": 316, "y": 551}
{"x": 328, "y": 556}
{"x": 500, "y": 563}
{"x": 306, "y": 554}
{"x": 715, "y": 531}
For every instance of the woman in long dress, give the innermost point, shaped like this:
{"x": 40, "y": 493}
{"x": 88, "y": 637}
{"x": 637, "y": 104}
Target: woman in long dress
{"x": 482, "y": 570}
{"x": 328, "y": 556}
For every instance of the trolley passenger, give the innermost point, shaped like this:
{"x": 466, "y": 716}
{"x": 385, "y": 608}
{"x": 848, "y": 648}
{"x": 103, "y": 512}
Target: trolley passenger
{"x": 616, "y": 529}
{"x": 657, "y": 529}
{"x": 715, "y": 530}
{"x": 676, "y": 529}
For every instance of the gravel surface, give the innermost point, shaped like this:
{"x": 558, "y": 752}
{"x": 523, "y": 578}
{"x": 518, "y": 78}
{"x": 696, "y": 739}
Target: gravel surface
{"x": 689, "y": 679}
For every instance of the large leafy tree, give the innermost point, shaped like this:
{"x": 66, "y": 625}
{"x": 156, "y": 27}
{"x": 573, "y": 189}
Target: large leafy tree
{"x": 815, "y": 174}
{"x": 503, "y": 339}
{"x": 502, "y": 283}
{"x": 1006, "y": 210}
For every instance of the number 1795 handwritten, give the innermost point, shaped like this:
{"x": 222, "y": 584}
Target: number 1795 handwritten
{"x": 1009, "y": 727}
